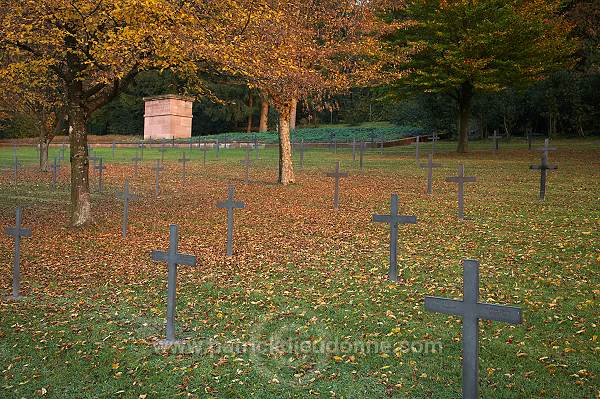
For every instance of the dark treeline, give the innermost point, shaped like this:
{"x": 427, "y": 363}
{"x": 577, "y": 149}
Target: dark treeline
{"x": 566, "y": 104}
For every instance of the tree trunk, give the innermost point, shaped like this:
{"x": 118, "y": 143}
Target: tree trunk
{"x": 80, "y": 188}
{"x": 286, "y": 169}
{"x": 294, "y": 106}
{"x": 264, "y": 116}
{"x": 249, "y": 127}
{"x": 465, "y": 96}
{"x": 44, "y": 144}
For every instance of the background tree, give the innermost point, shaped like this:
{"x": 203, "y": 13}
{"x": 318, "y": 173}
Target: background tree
{"x": 307, "y": 49}
{"x": 462, "y": 47}
{"x": 29, "y": 90}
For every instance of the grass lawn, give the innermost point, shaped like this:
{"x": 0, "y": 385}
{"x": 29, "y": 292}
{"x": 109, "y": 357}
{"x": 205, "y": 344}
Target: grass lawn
{"x": 303, "y": 308}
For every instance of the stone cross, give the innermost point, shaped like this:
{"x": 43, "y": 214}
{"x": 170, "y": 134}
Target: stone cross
{"x": 173, "y": 258}
{"x": 337, "y": 175}
{"x": 230, "y": 205}
{"x": 546, "y": 149}
{"x": 393, "y": 220}
{"x": 157, "y": 168}
{"x": 417, "y": 150}
{"x": 335, "y": 143}
{"x": 302, "y": 153}
{"x": 126, "y": 196}
{"x": 17, "y": 232}
{"x": 495, "y": 137}
{"x": 461, "y": 179}
{"x": 430, "y": 165}
{"x": 256, "y": 147}
{"x": 100, "y": 168}
{"x": 434, "y": 138}
{"x": 247, "y": 163}
{"x": 135, "y": 161}
{"x": 543, "y": 167}
{"x": 93, "y": 158}
{"x": 162, "y": 150}
{"x": 183, "y": 161}
{"x": 362, "y": 154}
{"x": 472, "y": 311}
{"x": 55, "y": 168}
{"x": 15, "y": 168}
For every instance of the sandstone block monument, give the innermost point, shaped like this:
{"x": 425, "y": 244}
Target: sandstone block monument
{"x": 168, "y": 116}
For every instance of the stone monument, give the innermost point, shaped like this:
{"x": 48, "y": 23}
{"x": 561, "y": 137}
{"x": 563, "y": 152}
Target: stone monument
{"x": 167, "y": 116}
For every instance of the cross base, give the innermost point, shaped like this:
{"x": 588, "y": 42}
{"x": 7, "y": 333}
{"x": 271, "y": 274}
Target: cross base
{"x": 12, "y": 298}
{"x": 166, "y": 344}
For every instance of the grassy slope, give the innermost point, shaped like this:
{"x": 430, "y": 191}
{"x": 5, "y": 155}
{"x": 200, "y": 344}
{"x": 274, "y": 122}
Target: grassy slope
{"x": 96, "y": 304}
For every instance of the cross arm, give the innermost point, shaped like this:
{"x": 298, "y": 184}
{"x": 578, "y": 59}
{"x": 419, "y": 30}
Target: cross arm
{"x": 13, "y": 231}
{"x": 381, "y": 218}
{"x": 189, "y": 260}
{"x": 444, "y": 305}
{"x": 407, "y": 219}
{"x": 159, "y": 256}
{"x": 507, "y": 314}
{"x": 239, "y": 205}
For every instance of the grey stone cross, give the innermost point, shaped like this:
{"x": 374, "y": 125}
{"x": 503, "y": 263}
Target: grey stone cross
{"x": 162, "y": 150}
{"x": 337, "y": 175}
{"x": 543, "y": 167}
{"x": 302, "y": 153}
{"x": 393, "y": 220}
{"x": 15, "y": 168}
{"x": 17, "y": 232}
{"x": 173, "y": 258}
{"x": 546, "y": 148}
{"x": 55, "y": 168}
{"x": 472, "y": 311}
{"x": 362, "y": 154}
{"x": 461, "y": 179}
{"x": 247, "y": 163}
{"x": 183, "y": 161}
{"x": 429, "y": 166}
{"x": 135, "y": 161}
{"x": 256, "y": 147}
{"x": 496, "y": 138}
{"x": 434, "y": 139}
{"x": 417, "y": 149}
{"x": 230, "y": 205}
{"x": 157, "y": 168}
{"x": 126, "y": 196}
{"x": 100, "y": 168}
{"x": 335, "y": 143}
